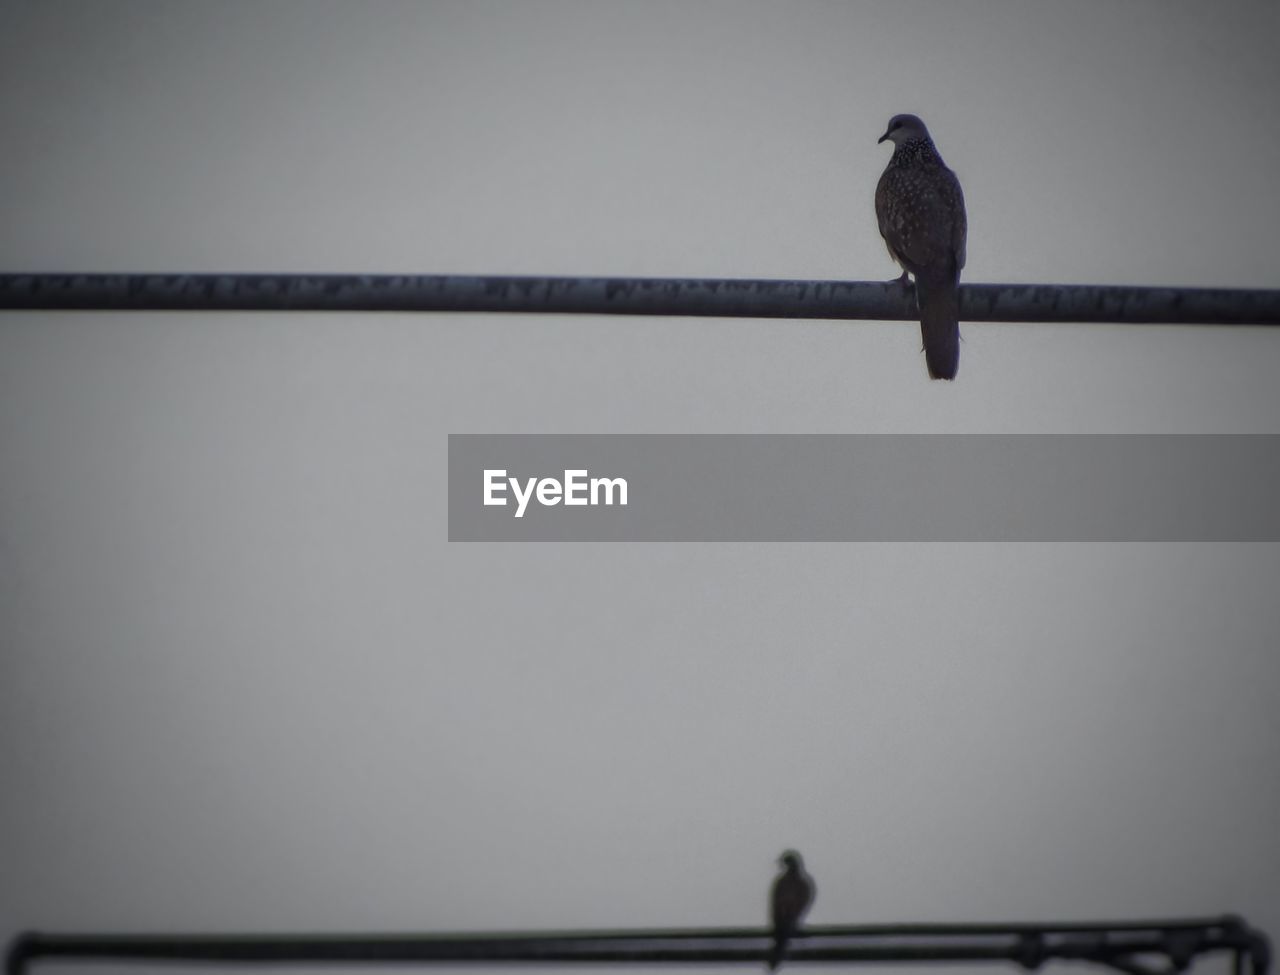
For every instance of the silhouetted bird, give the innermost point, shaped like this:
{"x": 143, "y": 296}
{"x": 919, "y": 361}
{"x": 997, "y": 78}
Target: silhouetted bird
{"x": 793, "y": 891}
{"x": 920, "y": 209}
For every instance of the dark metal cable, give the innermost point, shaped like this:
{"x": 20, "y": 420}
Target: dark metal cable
{"x": 1133, "y": 948}
{"x": 715, "y": 297}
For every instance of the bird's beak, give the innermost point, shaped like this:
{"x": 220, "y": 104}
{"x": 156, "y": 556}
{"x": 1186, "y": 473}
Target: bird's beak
{"x": 882, "y": 138}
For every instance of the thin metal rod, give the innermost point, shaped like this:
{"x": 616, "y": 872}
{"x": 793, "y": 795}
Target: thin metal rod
{"x": 1029, "y": 945}
{"x": 717, "y": 297}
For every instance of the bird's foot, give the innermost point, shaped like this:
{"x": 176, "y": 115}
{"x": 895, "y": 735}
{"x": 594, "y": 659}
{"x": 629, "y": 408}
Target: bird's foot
{"x": 903, "y": 279}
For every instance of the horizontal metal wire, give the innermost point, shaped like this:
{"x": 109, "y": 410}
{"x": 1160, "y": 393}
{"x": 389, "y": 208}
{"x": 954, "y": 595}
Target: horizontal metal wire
{"x": 717, "y": 297}
{"x": 1136, "y": 948}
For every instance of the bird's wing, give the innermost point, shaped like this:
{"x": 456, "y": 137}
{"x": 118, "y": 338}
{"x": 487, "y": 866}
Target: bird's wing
{"x": 959, "y": 221}
{"x": 888, "y": 214}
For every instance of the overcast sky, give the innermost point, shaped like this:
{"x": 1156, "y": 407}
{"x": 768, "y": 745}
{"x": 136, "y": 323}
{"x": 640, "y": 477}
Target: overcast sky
{"x": 245, "y": 682}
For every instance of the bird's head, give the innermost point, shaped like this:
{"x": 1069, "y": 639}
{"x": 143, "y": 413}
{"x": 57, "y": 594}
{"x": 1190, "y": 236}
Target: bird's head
{"x": 903, "y": 128}
{"x": 791, "y": 860}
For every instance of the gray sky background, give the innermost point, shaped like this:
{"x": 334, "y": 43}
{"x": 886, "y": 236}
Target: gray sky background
{"x": 246, "y": 683}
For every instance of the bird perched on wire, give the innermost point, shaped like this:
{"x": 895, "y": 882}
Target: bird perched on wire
{"x": 920, "y": 209}
{"x": 789, "y": 901}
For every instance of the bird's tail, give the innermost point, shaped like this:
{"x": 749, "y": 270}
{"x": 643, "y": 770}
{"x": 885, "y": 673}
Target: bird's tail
{"x": 938, "y": 296}
{"x": 779, "y": 948}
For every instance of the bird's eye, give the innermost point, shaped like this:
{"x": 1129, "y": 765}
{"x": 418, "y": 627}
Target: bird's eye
{"x": 897, "y": 124}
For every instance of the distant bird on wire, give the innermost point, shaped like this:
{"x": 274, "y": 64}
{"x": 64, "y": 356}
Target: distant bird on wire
{"x": 793, "y": 892}
{"x": 920, "y": 209}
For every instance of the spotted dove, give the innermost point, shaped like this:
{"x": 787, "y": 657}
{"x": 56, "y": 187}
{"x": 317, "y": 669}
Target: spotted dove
{"x": 920, "y": 209}
{"x": 793, "y": 891}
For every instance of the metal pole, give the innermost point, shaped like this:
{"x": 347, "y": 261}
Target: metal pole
{"x": 716, "y": 297}
{"x": 1125, "y": 947}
